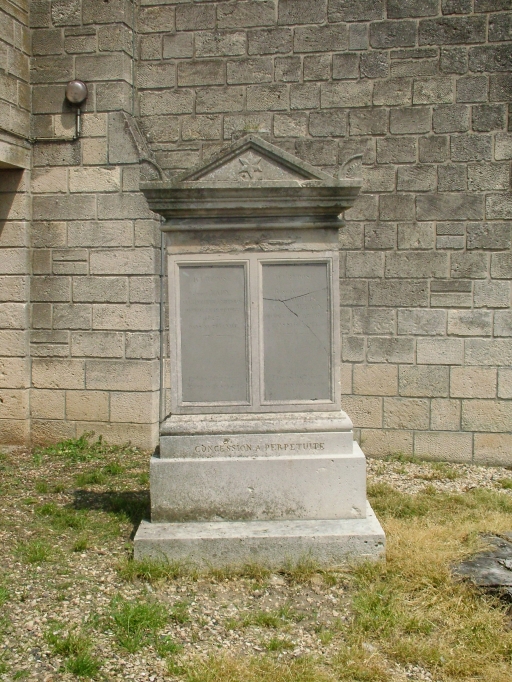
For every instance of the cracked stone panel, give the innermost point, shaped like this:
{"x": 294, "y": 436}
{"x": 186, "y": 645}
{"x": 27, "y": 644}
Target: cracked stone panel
{"x": 296, "y": 331}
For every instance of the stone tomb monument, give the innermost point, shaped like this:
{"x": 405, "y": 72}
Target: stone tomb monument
{"x": 257, "y": 460}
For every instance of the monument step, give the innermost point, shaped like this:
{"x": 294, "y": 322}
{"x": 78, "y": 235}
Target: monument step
{"x": 274, "y": 544}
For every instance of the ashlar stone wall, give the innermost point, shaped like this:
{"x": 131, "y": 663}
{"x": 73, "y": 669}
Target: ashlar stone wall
{"x": 421, "y": 88}
{"x": 14, "y": 220}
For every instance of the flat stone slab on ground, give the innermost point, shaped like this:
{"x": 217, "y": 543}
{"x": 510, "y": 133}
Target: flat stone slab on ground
{"x": 272, "y": 543}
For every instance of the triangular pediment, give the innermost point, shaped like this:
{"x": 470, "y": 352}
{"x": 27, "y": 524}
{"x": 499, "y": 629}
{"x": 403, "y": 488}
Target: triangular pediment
{"x": 253, "y": 161}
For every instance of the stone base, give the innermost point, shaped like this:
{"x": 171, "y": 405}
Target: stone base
{"x": 271, "y": 543}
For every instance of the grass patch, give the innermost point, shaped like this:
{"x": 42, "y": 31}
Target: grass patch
{"x": 135, "y": 624}
{"x": 34, "y": 552}
{"x": 83, "y": 449}
{"x": 94, "y": 477}
{"x": 278, "y": 644}
{"x": 506, "y": 483}
{"x": 179, "y": 612}
{"x": 151, "y": 570}
{"x": 83, "y": 665}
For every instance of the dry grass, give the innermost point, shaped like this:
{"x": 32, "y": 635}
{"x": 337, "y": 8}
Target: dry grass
{"x": 70, "y": 592}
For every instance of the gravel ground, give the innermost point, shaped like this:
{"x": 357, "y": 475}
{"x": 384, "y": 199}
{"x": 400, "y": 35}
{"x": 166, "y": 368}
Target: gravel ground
{"x": 75, "y": 584}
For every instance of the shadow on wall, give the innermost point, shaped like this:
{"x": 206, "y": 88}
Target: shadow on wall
{"x": 11, "y": 182}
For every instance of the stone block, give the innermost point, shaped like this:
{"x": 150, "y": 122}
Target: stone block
{"x": 267, "y": 97}
{"x": 142, "y": 345}
{"x": 449, "y": 207}
{"x": 433, "y": 149}
{"x": 100, "y": 289}
{"x": 61, "y": 373}
{"x": 386, "y": 34}
{"x": 457, "y": 6}
{"x": 318, "y": 152}
{"x": 373, "y": 321}
{"x": 365, "y": 411}
{"x": 432, "y": 90}
{"x": 472, "y": 89}
{"x": 304, "y": 96}
{"x": 346, "y": 94}
{"x": 104, "y": 67}
{"x": 393, "y": 92}
{"x": 256, "y": 70}
{"x": 324, "y": 38}
{"x": 13, "y": 315}
{"x": 489, "y": 294}
{"x": 444, "y": 414}
{"x": 204, "y": 72}
{"x": 194, "y": 17}
{"x": 94, "y": 152}
{"x": 423, "y": 381}
{"x": 144, "y": 436}
{"x": 405, "y": 120}
{"x": 493, "y": 449}
{"x": 372, "y": 121}
{"x": 358, "y": 38}
{"x": 122, "y": 375}
{"x": 399, "y": 9}
{"x": 47, "y": 404}
{"x": 47, "y": 41}
{"x": 487, "y": 415}
{"x": 302, "y": 12}
{"x": 291, "y": 125}
{"x": 246, "y": 14}
{"x": 500, "y": 27}
{"x": 94, "y": 179}
{"x": 488, "y": 352}
{"x": 503, "y": 323}
{"x": 151, "y": 75}
{"x": 220, "y": 44}
{"x": 254, "y": 122}
{"x": 50, "y": 288}
{"x": 365, "y": 208}
{"x": 270, "y": 41}
{"x": 452, "y": 447}
{"x": 111, "y": 38}
{"x": 379, "y": 443}
{"x": 422, "y": 322}
{"x": 414, "y": 67}
{"x": 451, "y": 118}
{"x": 469, "y": 265}
{"x": 470, "y": 323}
{"x": 217, "y": 100}
{"x": 396, "y": 206}
{"x": 13, "y": 343}
{"x": 416, "y": 235}
{"x": 327, "y": 124}
{"x": 178, "y": 46}
{"x": 374, "y": 65}
{"x": 353, "y": 348}
{"x": 452, "y": 178}
{"x": 399, "y": 293}
{"x": 504, "y": 382}
{"x": 406, "y": 413}
{"x": 97, "y": 344}
{"x": 416, "y": 264}
{"x": 317, "y": 67}
{"x": 471, "y": 147}
{"x": 453, "y": 60}
{"x": 123, "y": 262}
{"x": 41, "y": 315}
{"x": 365, "y": 264}
{"x": 493, "y": 236}
{"x": 500, "y": 87}
{"x": 440, "y": 351}
{"x": 71, "y": 316}
{"x": 449, "y": 31}
{"x": 380, "y": 179}
{"x": 396, "y": 150}
{"x": 473, "y": 382}
{"x": 351, "y": 236}
{"x": 416, "y": 179}
{"x": 503, "y": 147}
{"x": 287, "y": 69}
{"x": 345, "y": 66}
{"x": 155, "y": 19}
{"x": 355, "y": 10}
{"x": 490, "y": 58}
{"x": 166, "y": 102}
{"x": 134, "y": 317}
{"x": 498, "y": 206}
{"x": 390, "y": 349}
{"x": 134, "y": 407}
{"x": 87, "y": 405}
